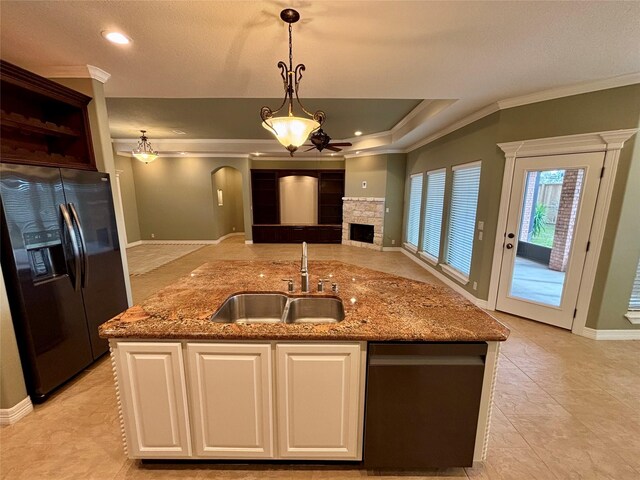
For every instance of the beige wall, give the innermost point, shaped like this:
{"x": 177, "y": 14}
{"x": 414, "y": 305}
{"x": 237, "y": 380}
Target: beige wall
{"x": 128, "y": 193}
{"x": 385, "y": 177}
{"x": 369, "y": 168}
{"x": 394, "y": 200}
{"x": 603, "y": 110}
{"x": 297, "y": 164}
{"x": 12, "y": 386}
{"x": 175, "y": 198}
{"x": 229, "y": 217}
{"x": 469, "y": 144}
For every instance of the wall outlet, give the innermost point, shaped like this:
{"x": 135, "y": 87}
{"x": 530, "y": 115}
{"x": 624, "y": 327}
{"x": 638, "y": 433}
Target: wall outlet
{"x": 387, "y": 210}
{"x": 364, "y": 184}
{"x": 233, "y": 229}
{"x": 475, "y": 285}
{"x": 153, "y": 235}
{"x": 480, "y": 235}
{"x": 481, "y": 225}
{"x": 393, "y": 241}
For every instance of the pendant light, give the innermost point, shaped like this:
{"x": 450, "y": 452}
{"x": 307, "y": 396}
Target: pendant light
{"x": 291, "y": 130}
{"x": 143, "y": 151}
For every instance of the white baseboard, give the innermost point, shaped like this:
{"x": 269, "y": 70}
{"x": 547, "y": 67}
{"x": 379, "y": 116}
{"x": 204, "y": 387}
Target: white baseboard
{"x": 9, "y": 416}
{"x": 611, "y": 334}
{"x": 248, "y": 242}
{"x": 185, "y": 242}
{"x": 478, "y": 302}
{"x": 391, "y": 249}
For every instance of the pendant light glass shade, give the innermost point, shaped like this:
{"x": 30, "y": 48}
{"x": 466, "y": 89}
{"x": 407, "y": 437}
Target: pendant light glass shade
{"x": 143, "y": 151}
{"x": 291, "y": 131}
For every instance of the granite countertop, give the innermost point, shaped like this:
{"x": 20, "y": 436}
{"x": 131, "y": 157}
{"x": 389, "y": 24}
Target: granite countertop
{"x": 378, "y": 307}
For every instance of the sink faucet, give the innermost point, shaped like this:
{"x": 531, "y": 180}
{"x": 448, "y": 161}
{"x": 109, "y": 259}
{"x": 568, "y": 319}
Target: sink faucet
{"x": 304, "y": 271}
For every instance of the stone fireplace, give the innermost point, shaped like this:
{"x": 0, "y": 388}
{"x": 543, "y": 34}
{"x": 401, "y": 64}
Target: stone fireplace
{"x": 358, "y": 213}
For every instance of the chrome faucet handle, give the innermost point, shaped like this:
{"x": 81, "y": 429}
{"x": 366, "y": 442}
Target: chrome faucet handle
{"x": 321, "y": 284}
{"x": 289, "y": 284}
{"x": 334, "y": 287}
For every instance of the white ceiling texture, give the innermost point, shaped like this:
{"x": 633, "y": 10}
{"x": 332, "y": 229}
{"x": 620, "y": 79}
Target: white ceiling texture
{"x": 467, "y": 55}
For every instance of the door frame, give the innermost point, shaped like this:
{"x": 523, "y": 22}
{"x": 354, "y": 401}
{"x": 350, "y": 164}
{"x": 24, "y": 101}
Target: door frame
{"x": 610, "y": 142}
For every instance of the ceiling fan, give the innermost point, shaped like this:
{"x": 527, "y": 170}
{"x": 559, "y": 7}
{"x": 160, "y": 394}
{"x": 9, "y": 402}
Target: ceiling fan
{"x": 321, "y": 140}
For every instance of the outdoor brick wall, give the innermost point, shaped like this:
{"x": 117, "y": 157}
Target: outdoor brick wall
{"x": 365, "y": 211}
{"x": 527, "y": 209}
{"x": 567, "y": 212}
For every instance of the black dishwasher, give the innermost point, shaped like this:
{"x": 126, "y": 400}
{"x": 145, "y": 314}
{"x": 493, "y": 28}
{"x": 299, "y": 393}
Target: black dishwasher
{"x": 422, "y": 404}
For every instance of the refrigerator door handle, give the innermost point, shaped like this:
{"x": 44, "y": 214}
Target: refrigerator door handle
{"x": 83, "y": 245}
{"x": 74, "y": 246}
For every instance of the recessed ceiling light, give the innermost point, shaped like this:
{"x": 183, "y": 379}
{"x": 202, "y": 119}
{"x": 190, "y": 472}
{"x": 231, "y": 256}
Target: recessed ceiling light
{"x": 183, "y": 153}
{"x": 357, "y": 133}
{"x": 333, "y": 154}
{"x": 257, "y": 154}
{"x": 116, "y": 37}
{"x": 357, "y": 152}
{"x": 179, "y": 132}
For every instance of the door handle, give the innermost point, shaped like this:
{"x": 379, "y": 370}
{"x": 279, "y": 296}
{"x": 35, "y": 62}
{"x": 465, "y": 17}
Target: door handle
{"x": 509, "y": 246}
{"x": 74, "y": 246}
{"x": 83, "y": 244}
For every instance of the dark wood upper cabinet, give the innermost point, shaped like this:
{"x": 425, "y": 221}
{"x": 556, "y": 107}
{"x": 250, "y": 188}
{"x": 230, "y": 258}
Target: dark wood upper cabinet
{"x": 43, "y": 122}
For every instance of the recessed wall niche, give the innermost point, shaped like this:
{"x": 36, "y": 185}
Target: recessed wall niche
{"x": 298, "y": 200}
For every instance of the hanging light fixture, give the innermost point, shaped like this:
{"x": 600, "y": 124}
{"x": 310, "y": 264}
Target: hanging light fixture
{"x": 143, "y": 151}
{"x": 290, "y": 130}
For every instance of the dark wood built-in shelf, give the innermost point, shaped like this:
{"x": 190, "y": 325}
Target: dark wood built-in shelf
{"x": 266, "y": 208}
{"x": 43, "y": 122}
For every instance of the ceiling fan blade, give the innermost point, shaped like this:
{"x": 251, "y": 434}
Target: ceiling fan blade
{"x": 333, "y": 149}
{"x": 309, "y": 149}
{"x": 343, "y": 144}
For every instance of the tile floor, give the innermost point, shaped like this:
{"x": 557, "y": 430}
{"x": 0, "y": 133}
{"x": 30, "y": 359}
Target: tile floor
{"x": 566, "y": 407}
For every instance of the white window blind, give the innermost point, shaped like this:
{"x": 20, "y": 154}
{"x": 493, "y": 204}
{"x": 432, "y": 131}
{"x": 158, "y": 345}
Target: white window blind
{"x": 433, "y": 213}
{"x": 415, "y": 200}
{"x": 634, "y": 303}
{"x": 462, "y": 218}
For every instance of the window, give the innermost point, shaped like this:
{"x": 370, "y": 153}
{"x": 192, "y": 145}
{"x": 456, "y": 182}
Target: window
{"x": 462, "y": 219}
{"x": 433, "y": 214}
{"x": 413, "y": 219}
{"x": 634, "y": 303}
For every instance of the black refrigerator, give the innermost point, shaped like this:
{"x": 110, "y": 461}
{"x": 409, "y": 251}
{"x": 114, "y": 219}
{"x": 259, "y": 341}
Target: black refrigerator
{"x": 62, "y": 268}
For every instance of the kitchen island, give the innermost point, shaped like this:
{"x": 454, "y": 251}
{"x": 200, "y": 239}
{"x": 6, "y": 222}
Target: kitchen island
{"x": 192, "y": 388}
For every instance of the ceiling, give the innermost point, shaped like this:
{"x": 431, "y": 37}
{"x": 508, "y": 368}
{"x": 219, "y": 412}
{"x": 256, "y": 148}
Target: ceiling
{"x": 471, "y": 53}
{"x": 228, "y": 118}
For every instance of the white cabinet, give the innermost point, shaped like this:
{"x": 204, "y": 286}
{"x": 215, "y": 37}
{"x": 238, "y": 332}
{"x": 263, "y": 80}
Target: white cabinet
{"x": 153, "y": 393}
{"x": 319, "y": 398}
{"x": 231, "y": 399}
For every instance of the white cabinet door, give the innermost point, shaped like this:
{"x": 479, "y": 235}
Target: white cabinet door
{"x": 319, "y": 393}
{"x": 230, "y": 391}
{"x": 153, "y": 391}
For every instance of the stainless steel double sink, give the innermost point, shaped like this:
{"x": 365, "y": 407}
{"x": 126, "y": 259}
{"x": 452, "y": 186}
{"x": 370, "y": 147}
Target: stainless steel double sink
{"x": 278, "y": 308}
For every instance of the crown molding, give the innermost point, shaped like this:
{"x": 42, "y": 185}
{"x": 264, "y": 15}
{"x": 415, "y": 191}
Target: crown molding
{"x": 584, "y": 142}
{"x": 288, "y": 158}
{"x": 364, "y": 153}
{"x": 74, "y": 71}
{"x": 570, "y": 90}
{"x": 463, "y": 122}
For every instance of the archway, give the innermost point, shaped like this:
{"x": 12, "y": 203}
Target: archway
{"x": 228, "y": 207}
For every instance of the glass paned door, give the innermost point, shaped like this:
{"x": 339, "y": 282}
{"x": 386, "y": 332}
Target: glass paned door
{"x": 550, "y": 215}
